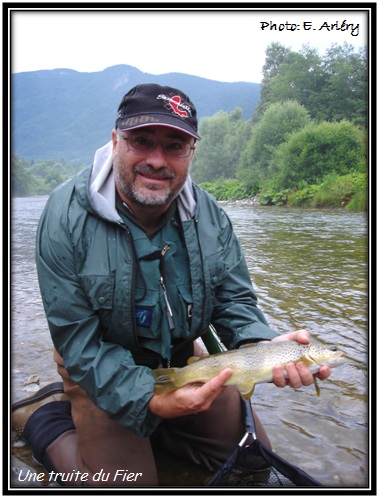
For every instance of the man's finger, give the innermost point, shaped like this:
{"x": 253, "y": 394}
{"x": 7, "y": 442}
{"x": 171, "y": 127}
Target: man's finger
{"x": 302, "y": 336}
{"x": 278, "y": 376}
{"x": 214, "y": 385}
{"x": 324, "y": 372}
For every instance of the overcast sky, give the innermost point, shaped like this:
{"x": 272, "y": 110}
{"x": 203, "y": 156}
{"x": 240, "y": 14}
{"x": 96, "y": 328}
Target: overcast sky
{"x": 218, "y": 45}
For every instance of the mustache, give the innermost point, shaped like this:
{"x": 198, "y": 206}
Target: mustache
{"x": 148, "y": 170}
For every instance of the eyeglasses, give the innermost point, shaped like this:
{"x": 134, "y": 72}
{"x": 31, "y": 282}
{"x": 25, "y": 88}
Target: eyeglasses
{"x": 145, "y": 145}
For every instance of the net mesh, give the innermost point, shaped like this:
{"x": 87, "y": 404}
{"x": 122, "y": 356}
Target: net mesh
{"x": 255, "y": 465}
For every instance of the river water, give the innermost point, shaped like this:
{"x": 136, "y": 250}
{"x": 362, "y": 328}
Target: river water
{"x": 309, "y": 268}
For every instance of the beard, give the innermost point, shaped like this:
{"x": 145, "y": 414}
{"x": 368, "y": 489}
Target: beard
{"x": 126, "y": 178}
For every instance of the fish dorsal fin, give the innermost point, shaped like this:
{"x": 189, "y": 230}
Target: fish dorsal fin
{"x": 193, "y": 359}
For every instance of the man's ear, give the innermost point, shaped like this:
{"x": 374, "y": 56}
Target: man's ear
{"x": 114, "y": 138}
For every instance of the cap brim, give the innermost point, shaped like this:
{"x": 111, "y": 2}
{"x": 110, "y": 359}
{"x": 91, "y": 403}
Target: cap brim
{"x": 141, "y": 121}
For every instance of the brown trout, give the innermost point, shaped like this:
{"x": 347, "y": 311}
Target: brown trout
{"x": 251, "y": 365}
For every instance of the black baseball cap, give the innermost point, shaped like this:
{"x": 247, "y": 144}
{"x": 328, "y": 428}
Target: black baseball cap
{"x": 152, "y": 104}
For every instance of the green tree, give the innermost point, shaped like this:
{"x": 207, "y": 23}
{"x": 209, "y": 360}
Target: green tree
{"x": 39, "y": 178}
{"x": 317, "y": 150}
{"x": 345, "y": 92}
{"x": 331, "y": 88}
{"x": 274, "y": 128}
{"x": 217, "y": 154}
{"x": 20, "y": 177}
{"x": 53, "y": 179}
{"x": 299, "y": 78}
{"x": 276, "y": 54}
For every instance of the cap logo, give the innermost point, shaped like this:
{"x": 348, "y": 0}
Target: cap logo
{"x": 175, "y": 104}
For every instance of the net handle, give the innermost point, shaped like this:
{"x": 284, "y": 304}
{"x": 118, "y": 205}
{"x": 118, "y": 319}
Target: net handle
{"x": 249, "y": 420}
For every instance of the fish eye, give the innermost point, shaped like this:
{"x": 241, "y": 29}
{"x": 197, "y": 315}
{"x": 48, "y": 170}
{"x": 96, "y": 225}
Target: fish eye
{"x": 333, "y": 348}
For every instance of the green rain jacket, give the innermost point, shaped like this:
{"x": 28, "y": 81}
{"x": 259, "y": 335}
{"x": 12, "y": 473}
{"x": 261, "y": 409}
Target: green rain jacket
{"x": 87, "y": 263}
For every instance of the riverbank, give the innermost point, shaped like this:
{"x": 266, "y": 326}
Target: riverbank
{"x": 349, "y": 192}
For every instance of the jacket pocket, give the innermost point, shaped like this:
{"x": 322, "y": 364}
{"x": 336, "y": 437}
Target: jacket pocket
{"x": 148, "y": 315}
{"x": 99, "y": 290}
{"x": 216, "y": 269}
{"x": 183, "y": 312}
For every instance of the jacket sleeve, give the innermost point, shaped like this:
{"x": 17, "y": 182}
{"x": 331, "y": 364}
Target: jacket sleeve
{"x": 106, "y": 371}
{"x": 236, "y": 315}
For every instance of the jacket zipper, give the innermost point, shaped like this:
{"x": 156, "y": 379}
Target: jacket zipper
{"x": 196, "y": 224}
{"x": 169, "y": 314}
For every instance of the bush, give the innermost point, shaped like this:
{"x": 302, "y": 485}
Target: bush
{"x": 270, "y": 197}
{"x": 316, "y": 151}
{"x": 302, "y": 196}
{"x": 359, "y": 201}
{"x": 338, "y": 191}
{"x": 275, "y": 127}
{"x": 226, "y": 190}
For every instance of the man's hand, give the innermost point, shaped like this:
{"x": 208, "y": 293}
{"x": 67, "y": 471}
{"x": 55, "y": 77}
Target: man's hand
{"x": 189, "y": 399}
{"x": 299, "y": 374}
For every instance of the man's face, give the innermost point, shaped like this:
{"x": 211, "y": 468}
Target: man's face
{"x": 152, "y": 177}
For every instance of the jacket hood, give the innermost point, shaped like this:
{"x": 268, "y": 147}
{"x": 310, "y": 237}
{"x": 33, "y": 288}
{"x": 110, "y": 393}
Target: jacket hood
{"x": 102, "y": 190}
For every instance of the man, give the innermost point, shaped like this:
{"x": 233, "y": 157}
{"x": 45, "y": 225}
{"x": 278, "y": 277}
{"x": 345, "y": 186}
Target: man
{"x": 134, "y": 263}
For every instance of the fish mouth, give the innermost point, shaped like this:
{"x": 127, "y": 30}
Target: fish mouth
{"x": 339, "y": 357}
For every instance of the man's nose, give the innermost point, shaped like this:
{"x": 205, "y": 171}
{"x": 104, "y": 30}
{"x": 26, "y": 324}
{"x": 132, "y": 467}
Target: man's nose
{"x": 157, "y": 156}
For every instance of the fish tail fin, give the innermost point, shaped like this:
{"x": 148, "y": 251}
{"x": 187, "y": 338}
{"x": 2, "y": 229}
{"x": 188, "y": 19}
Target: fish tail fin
{"x": 164, "y": 380}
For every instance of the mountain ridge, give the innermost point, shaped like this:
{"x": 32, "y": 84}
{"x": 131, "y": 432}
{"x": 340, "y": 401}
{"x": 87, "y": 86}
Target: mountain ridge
{"x": 64, "y": 114}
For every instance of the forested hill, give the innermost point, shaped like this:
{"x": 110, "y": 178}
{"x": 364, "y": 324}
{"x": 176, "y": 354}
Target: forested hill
{"x": 63, "y": 114}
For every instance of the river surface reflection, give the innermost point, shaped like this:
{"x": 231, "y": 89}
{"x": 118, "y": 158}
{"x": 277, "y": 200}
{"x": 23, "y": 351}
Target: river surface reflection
{"x": 309, "y": 270}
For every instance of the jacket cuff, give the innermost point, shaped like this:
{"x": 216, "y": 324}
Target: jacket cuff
{"x": 254, "y": 332}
